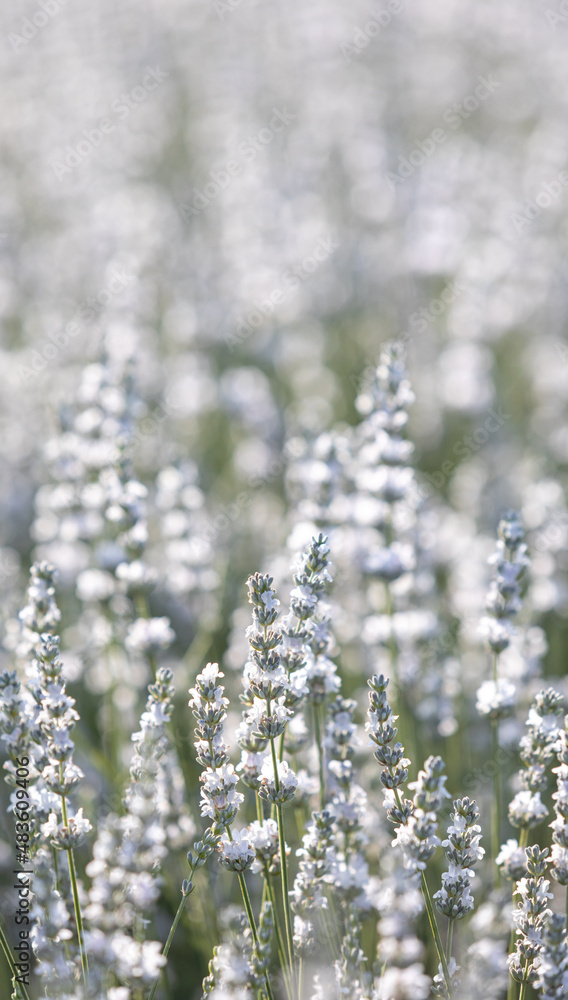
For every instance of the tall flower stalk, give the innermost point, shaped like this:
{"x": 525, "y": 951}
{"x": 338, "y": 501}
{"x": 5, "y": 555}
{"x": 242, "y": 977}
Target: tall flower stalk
{"x": 416, "y": 820}
{"x": 55, "y": 719}
{"x": 268, "y": 682}
{"x": 496, "y": 697}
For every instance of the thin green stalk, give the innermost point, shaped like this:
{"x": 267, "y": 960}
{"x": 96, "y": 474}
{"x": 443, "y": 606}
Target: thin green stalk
{"x": 259, "y": 809}
{"x": 432, "y": 919}
{"x": 168, "y": 943}
{"x": 497, "y": 809}
{"x": 436, "y": 934}
{"x": 75, "y": 892}
{"x": 8, "y": 954}
{"x": 450, "y": 938}
{"x": 319, "y": 744}
{"x": 497, "y": 805}
{"x": 283, "y": 865}
{"x": 250, "y": 915}
{"x": 402, "y": 708}
{"x": 279, "y": 941}
{"x": 331, "y": 929}
{"x": 512, "y": 987}
{"x": 523, "y": 989}
{"x": 524, "y": 838}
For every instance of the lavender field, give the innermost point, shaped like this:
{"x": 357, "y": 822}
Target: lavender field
{"x": 283, "y": 523}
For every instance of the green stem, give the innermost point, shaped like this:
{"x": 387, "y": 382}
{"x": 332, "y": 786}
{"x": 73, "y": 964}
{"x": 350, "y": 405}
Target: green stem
{"x": 75, "y": 892}
{"x": 512, "y": 987}
{"x": 436, "y": 934}
{"x": 168, "y": 943}
{"x": 250, "y": 915}
{"x": 8, "y": 954}
{"x": 283, "y": 862}
{"x": 450, "y": 938}
{"x": 329, "y": 916}
{"x": 279, "y": 941}
{"x": 319, "y": 744}
{"x": 497, "y": 807}
{"x": 432, "y": 919}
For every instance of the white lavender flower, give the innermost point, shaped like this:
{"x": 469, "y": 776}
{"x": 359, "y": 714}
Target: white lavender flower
{"x": 512, "y": 861}
{"x": 552, "y": 972}
{"x": 439, "y": 987}
{"x": 417, "y": 834}
{"x": 41, "y": 614}
{"x": 559, "y": 826}
{"x": 383, "y": 455}
{"x": 263, "y": 838}
{"x": 537, "y": 750}
{"x": 504, "y": 597}
{"x": 308, "y": 894}
{"x": 277, "y": 788}
{"x": 530, "y": 917}
{"x": 149, "y": 635}
{"x": 382, "y": 732}
{"x": 496, "y": 699}
{"x": 236, "y": 851}
{"x": 463, "y": 851}
{"x": 307, "y": 639}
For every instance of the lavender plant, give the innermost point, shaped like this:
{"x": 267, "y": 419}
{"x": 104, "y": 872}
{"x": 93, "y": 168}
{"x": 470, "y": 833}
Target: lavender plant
{"x": 341, "y": 897}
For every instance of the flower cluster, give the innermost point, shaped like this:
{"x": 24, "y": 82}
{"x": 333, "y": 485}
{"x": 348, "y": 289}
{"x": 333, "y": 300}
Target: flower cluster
{"x": 56, "y": 719}
{"x": 552, "y": 981}
{"x": 559, "y": 826}
{"x": 383, "y": 472}
{"x": 266, "y": 680}
{"x": 313, "y": 625}
{"x": 417, "y": 835}
{"x": 530, "y": 917}
{"x": 504, "y": 597}
{"x": 219, "y": 798}
{"x": 316, "y": 858}
{"x": 527, "y": 809}
{"x": 382, "y": 733}
{"x": 463, "y": 851}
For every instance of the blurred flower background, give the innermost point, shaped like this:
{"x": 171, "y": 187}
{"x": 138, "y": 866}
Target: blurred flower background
{"x": 213, "y": 215}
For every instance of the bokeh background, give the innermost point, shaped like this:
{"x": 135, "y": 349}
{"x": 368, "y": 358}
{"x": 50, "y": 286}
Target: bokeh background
{"x": 235, "y": 204}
